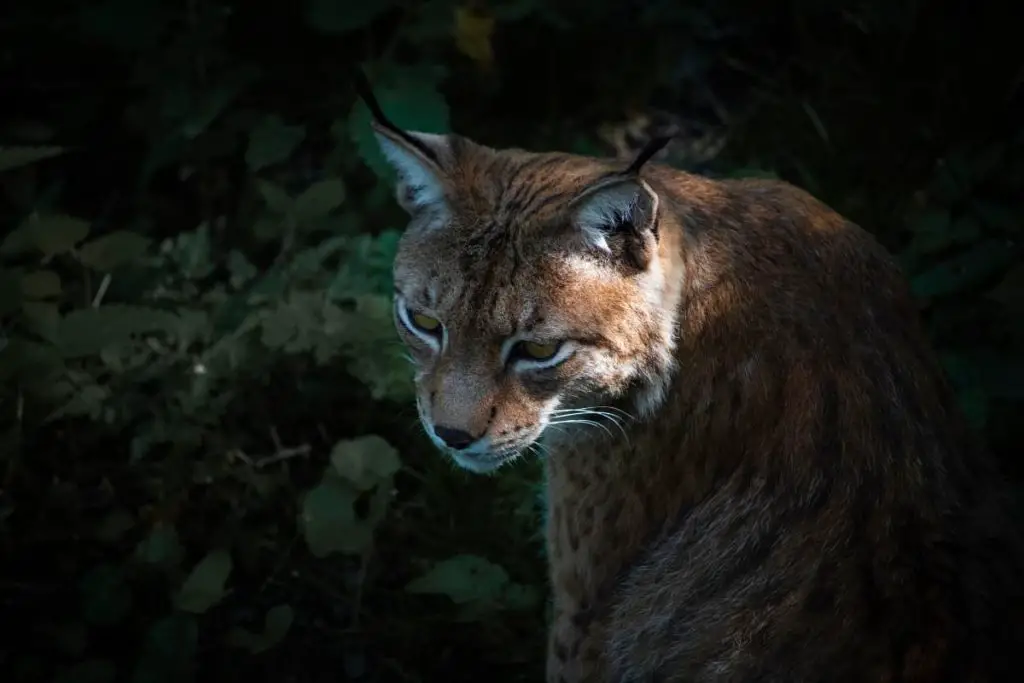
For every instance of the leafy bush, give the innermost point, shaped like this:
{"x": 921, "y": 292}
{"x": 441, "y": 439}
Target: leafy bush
{"x": 207, "y": 444}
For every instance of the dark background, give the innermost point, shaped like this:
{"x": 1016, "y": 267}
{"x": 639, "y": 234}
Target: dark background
{"x": 210, "y": 467}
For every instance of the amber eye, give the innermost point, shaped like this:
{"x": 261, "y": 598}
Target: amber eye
{"x": 535, "y": 351}
{"x": 426, "y": 323}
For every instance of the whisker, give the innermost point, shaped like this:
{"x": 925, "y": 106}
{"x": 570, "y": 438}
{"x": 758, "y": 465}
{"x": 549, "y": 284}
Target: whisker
{"x": 539, "y": 449}
{"x": 555, "y": 428}
{"x": 616, "y": 420}
{"x": 604, "y": 409}
{"x": 590, "y": 423}
{"x": 618, "y": 412}
{"x": 534, "y": 450}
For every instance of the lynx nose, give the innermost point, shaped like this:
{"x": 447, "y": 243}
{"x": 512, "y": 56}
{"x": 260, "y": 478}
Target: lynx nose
{"x": 454, "y": 438}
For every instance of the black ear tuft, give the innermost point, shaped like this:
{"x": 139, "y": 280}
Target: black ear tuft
{"x": 365, "y": 92}
{"x": 649, "y": 150}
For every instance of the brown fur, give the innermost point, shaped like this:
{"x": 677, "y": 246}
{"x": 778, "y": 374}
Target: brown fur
{"x": 802, "y": 503}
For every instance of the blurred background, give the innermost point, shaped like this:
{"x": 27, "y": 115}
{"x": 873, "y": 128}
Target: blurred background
{"x": 210, "y": 464}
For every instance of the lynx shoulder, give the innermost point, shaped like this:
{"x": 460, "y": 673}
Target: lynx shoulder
{"x": 756, "y": 469}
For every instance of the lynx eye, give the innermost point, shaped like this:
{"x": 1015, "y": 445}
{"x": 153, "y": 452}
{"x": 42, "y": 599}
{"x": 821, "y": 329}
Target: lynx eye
{"x": 428, "y": 328}
{"x": 426, "y": 323}
{"x": 527, "y": 355}
{"x": 536, "y": 351}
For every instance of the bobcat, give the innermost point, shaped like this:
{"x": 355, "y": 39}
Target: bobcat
{"x": 756, "y": 470}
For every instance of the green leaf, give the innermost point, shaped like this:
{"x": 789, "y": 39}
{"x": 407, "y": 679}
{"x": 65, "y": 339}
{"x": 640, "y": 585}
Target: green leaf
{"x": 369, "y": 342}
{"x": 90, "y": 671}
{"x": 88, "y": 400}
{"x": 87, "y": 331}
{"x": 341, "y": 16}
{"x": 368, "y": 267}
{"x": 268, "y": 228}
{"x": 10, "y": 292}
{"x": 242, "y": 271}
{"x": 279, "y": 326}
{"x": 42, "y": 317}
{"x": 1010, "y": 292}
{"x": 272, "y": 141}
{"x": 328, "y": 520}
{"x": 106, "y": 597}
{"x": 310, "y": 262}
{"x": 276, "y": 197}
{"x": 931, "y": 222}
{"x": 412, "y": 102}
{"x": 17, "y": 241}
{"x": 952, "y": 179}
{"x": 160, "y": 548}
{"x": 464, "y": 579}
{"x": 113, "y": 250}
{"x": 204, "y": 587}
{"x": 26, "y": 361}
{"x": 365, "y": 462}
{"x": 275, "y": 627}
{"x": 212, "y": 104}
{"x": 996, "y": 375}
{"x": 998, "y": 216}
{"x": 319, "y": 199}
{"x": 965, "y": 270}
{"x": 964, "y": 230}
{"x": 193, "y": 252}
{"x": 13, "y": 157}
{"x": 521, "y": 597}
{"x": 169, "y": 651}
{"x": 55, "y": 234}
{"x": 40, "y": 284}
{"x": 974, "y": 402}
{"x": 277, "y": 623}
{"x": 114, "y": 526}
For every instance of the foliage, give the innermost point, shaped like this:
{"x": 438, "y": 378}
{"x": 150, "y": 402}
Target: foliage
{"x": 209, "y": 463}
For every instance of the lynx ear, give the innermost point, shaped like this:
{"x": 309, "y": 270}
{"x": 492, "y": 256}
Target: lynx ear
{"x": 619, "y": 213}
{"x": 619, "y": 216}
{"x": 417, "y": 158}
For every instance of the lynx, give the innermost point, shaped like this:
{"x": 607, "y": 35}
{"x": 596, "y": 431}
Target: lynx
{"x": 756, "y": 470}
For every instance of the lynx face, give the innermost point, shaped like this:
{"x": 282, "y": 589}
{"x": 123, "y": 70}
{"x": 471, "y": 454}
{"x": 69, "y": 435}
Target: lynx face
{"x": 528, "y": 288}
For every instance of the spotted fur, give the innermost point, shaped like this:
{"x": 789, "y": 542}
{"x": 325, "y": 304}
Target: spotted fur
{"x": 756, "y": 470}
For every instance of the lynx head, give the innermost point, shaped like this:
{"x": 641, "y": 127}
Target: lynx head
{"x": 527, "y": 287}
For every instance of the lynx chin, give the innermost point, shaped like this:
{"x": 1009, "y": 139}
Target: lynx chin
{"x": 756, "y": 469}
